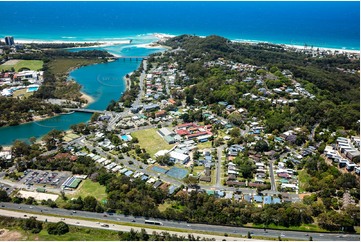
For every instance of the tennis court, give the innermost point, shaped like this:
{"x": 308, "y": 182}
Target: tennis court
{"x": 177, "y": 173}
{"x": 159, "y": 169}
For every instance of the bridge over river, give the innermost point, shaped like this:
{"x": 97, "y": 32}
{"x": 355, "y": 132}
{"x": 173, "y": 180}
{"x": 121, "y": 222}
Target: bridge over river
{"x": 84, "y": 110}
{"x": 130, "y": 58}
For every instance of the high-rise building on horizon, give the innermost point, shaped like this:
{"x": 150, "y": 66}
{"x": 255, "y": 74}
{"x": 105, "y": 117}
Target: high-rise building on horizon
{"x": 9, "y": 40}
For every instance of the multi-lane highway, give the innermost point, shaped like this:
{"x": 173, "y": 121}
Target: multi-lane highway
{"x": 139, "y": 221}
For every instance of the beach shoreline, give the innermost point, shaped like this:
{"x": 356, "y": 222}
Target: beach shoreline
{"x": 163, "y": 37}
{"x": 88, "y": 98}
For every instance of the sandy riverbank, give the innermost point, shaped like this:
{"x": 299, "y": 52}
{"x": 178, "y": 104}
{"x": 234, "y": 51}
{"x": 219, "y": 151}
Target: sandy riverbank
{"x": 87, "y": 97}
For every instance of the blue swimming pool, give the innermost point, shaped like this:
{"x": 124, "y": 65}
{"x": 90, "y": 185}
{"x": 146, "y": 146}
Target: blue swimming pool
{"x": 32, "y": 89}
{"x": 125, "y": 137}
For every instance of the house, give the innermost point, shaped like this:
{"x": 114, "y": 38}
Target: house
{"x": 247, "y": 198}
{"x": 161, "y": 113}
{"x": 267, "y": 200}
{"x": 178, "y": 157}
{"x": 157, "y": 184}
{"x": 205, "y": 178}
{"x": 350, "y": 166}
{"x": 342, "y": 163}
{"x": 292, "y": 186}
{"x": 258, "y": 199}
{"x": 151, "y": 107}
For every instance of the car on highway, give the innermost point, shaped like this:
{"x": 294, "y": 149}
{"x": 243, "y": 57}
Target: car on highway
{"x": 62, "y": 219}
{"x": 133, "y": 220}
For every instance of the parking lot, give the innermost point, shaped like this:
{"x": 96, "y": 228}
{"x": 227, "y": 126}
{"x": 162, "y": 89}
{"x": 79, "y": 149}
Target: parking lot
{"x": 44, "y": 178}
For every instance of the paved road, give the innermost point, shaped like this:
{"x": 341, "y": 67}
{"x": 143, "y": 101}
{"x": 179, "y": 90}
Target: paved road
{"x": 219, "y": 165}
{"x": 293, "y": 235}
{"x": 272, "y": 176}
{"x": 116, "y": 227}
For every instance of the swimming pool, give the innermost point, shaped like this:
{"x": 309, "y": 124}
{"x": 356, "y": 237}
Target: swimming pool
{"x": 32, "y": 89}
{"x": 126, "y": 137}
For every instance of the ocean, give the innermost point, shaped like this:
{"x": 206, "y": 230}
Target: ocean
{"x": 321, "y": 24}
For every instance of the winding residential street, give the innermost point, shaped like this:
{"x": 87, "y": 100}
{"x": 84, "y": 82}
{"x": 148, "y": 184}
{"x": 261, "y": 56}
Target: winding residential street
{"x": 219, "y": 165}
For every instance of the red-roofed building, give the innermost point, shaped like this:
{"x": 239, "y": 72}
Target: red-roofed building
{"x": 186, "y": 125}
{"x": 171, "y": 101}
{"x": 161, "y": 113}
{"x": 283, "y": 175}
{"x": 191, "y": 136}
{"x": 182, "y": 132}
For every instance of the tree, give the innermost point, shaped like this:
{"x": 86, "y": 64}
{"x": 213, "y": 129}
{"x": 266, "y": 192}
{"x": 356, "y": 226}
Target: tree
{"x": 90, "y": 203}
{"x": 52, "y": 138}
{"x": 261, "y": 146}
{"x": 32, "y": 224}
{"x": 4, "y": 196}
{"x": 235, "y": 132}
{"x": 164, "y": 160}
{"x": 58, "y": 228}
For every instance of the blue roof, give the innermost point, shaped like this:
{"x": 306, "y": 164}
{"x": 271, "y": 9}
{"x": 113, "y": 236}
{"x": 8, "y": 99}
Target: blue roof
{"x": 172, "y": 189}
{"x": 144, "y": 177}
{"x": 208, "y": 157}
{"x": 258, "y": 198}
{"x": 128, "y": 173}
{"x": 220, "y": 193}
{"x": 276, "y": 200}
{"x": 247, "y": 198}
{"x": 267, "y": 200}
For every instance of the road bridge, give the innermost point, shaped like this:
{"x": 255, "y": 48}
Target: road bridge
{"x": 84, "y": 110}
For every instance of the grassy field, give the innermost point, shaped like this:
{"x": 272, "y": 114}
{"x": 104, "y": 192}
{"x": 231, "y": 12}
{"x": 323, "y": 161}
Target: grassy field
{"x": 151, "y": 141}
{"x": 22, "y": 93}
{"x": 204, "y": 145}
{"x": 90, "y": 188}
{"x": 62, "y": 66}
{"x": 304, "y": 179}
{"x": 31, "y": 64}
{"x": 197, "y": 169}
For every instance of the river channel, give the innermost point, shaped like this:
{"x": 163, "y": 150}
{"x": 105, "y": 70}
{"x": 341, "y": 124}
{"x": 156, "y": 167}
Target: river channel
{"x": 104, "y": 82}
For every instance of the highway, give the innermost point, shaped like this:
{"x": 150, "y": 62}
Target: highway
{"x": 107, "y": 226}
{"x": 139, "y": 221}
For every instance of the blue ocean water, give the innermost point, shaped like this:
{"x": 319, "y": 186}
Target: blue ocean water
{"x": 323, "y": 24}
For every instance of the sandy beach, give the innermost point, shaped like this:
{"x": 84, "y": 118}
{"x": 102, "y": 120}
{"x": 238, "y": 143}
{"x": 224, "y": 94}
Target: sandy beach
{"x": 301, "y": 47}
{"x": 87, "y": 97}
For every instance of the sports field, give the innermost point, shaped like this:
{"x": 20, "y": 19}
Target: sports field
{"x": 151, "y": 141}
{"x": 34, "y": 65}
